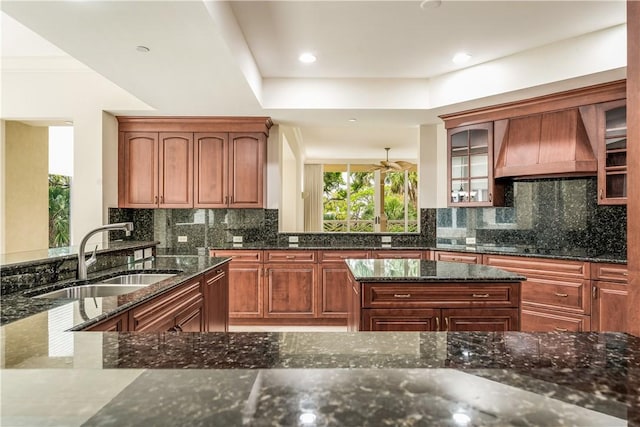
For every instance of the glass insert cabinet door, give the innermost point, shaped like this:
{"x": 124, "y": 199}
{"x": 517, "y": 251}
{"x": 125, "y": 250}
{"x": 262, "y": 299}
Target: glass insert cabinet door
{"x": 612, "y": 153}
{"x": 470, "y": 165}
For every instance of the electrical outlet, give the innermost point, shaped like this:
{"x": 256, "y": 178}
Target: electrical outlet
{"x": 148, "y": 253}
{"x": 293, "y": 239}
{"x": 237, "y": 239}
{"x": 386, "y": 239}
{"x": 471, "y": 241}
{"x": 138, "y": 254}
{"x": 182, "y": 239}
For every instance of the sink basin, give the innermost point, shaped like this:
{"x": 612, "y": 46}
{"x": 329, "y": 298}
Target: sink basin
{"x": 91, "y": 291}
{"x": 136, "y": 279}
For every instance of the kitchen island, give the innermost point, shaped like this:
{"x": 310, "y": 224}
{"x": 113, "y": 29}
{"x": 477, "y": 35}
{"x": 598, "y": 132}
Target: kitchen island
{"x": 419, "y": 295}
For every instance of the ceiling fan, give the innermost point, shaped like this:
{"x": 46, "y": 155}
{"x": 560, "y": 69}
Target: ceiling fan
{"x": 388, "y": 166}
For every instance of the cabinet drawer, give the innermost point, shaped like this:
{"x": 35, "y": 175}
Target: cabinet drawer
{"x": 457, "y": 257}
{"x": 540, "y": 266}
{"x": 238, "y": 255}
{"x": 572, "y": 296}
{"x": 339, "y": 256}
{"x": 290, "y": 256}
{"x": 610, "y": 272}
{"x": 397, "y": 254}
{"x": 532, "y": 320}
{"x": 449, "y": 295}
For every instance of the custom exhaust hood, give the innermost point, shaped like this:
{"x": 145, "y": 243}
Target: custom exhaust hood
{"x": 544, "y": 145}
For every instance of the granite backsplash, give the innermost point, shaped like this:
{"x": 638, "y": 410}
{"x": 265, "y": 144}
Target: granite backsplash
{"x": 550, "y": 216}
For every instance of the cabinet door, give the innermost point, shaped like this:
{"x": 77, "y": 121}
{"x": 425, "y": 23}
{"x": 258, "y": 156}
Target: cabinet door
{"x": 612, "y": 153}
{"x": 245, "y": 290}
{"x": 176, "y": 170}
{"x": 217, "y": 300}
{"x": 246, "y": 169}
{"x": 210, "y": 182}
{"x": 403, "y": 320}
{"x": 609, "y": 307}
{"x": 290, "y": 290}
{"x": 138, "y": 170}
{"x": 191, "y": 318}
{"x": 470, "y": 165}
{"x": 483, "y": 320}
{"x": 334, "y": 290}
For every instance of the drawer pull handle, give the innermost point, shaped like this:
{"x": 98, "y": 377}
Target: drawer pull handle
{"x": 402, "y": 295}
{"x": 290, "y": 257}
{"x": 625, "y": 273}
{"x": 561, "y": 329}
{"x": 480, "y": 295}
{"x": 437, "y": 324}
{"x": 561, "y": 295}
{"x": 446, "y": 324}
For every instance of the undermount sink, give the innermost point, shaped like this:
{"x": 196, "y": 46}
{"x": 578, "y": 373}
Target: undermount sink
{"x": 112, "y": 286}
{"x": 136, "y": 279}
{"x": 91, "y": 291}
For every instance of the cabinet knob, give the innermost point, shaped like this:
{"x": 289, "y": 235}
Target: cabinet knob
{"x": 490, "y": 197}
{"x": 161, "y": 199}
{"x": 437, "y": 323}
{"x": 446, "y": 323}
{"x": 155, "y": 199}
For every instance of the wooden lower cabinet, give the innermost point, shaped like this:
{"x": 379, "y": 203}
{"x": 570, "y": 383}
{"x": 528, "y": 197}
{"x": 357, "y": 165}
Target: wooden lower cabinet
{"x": 467, "y": 258}
{"x": 181, "y": 309}
{"x": 444, "y": 306}
{"x": 333, "y": 282}
{"x": 246, "y": 293}
{"x": 216, "y": 285}
{"x": 609, "y": 297}
{"x": 115, "y": 324}
{"x": 290, "y": 290}
{"x": 537, "y": 320}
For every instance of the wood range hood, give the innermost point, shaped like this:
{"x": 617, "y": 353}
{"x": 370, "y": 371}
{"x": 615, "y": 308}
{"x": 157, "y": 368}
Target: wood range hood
{"x": 548, "y": 144}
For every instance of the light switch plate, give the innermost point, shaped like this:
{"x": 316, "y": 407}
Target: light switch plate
{"x": 471, "y": 241}
{"x": 386, "y": 239}
{"x": 237, "y": 239}
{"x": 182, "y": 239}
{"x": 293, "y": 239}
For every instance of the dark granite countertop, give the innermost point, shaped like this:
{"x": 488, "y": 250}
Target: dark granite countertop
{"x": 415, "y": 270}
{"x": 18, "y": 305}
{"x": 515, "y": 250}
{"x": 68, "y": 252}
{"x": 317, "y": 379}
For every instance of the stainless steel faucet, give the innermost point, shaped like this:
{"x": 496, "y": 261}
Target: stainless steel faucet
{"x": 84, "y": 263}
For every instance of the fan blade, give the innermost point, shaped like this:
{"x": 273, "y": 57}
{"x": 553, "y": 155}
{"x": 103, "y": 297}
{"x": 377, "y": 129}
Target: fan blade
{"x": 406, "y": 165}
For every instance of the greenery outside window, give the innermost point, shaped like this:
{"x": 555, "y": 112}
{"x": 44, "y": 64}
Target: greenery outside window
{"x": 357, "y": 199}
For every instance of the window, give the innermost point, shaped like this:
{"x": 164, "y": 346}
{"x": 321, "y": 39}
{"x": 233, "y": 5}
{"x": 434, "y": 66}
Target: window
{"x": 357, "y": 199}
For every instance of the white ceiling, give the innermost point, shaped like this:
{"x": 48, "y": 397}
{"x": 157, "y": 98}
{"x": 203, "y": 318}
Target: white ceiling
{"x": 385, "y": 63}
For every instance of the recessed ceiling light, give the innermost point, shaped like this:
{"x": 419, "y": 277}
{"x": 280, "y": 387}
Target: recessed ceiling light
{"x": 353, "y": 119}
{"x": 143, "y": 49}
{"x": 307, "y": 57}
{"x": 461, "y": 57}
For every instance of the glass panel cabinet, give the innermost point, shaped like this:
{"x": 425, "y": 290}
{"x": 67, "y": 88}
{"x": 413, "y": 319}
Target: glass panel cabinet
{"x": 612, "y": 153}
{"x": 470, "y": 155}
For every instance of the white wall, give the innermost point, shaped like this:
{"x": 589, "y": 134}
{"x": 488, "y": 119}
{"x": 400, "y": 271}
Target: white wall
{"x": 80, "y": 97}
{"x": 291, "y": 175}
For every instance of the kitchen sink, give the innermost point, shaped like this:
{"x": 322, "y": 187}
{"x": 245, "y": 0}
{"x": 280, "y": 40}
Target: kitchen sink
{"x": 91, "y": 291}
{"x": 112, "y": 286}
{"x": 136, "y": 279}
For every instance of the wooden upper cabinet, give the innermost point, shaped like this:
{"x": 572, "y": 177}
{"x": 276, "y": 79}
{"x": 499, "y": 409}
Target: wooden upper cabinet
{"x": 246, "y": 170}
{"x": 612, "y": 152}
{"x": 175, "y": 170}
{"x": 470, "y": 165}
{"x": 211, "y": 170}
{"x": 184, "y": 162}
{"x": 138, "y": 170}
{"x": 155, "y": 170}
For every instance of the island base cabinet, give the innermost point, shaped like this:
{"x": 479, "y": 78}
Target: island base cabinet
{"x": 217, "y": 300}
{"x": 450, "y": 320}
{"x": 403, "y": 320}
